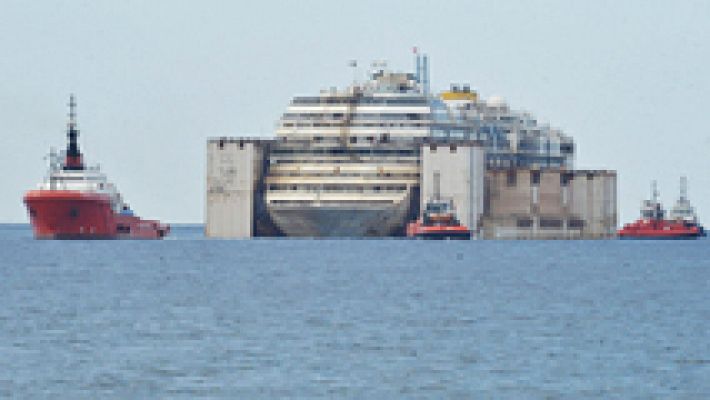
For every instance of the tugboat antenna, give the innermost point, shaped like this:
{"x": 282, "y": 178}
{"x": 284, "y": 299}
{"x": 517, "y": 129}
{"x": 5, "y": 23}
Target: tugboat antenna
{"x": 72, "y": 111}
{"x": 683, "y": 188}
{"x": 654, "y": 191}
{"x": 73, "y": 160}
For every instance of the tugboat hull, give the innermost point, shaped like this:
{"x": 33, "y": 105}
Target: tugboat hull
{"x": 65, "y": 214}
{"x": 681, "y": 233}
{"x": 455, "y": 232}
{"x": 443, "y": 235}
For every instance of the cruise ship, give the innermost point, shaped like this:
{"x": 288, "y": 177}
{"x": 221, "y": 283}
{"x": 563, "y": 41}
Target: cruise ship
{"x": 346, "y": 162}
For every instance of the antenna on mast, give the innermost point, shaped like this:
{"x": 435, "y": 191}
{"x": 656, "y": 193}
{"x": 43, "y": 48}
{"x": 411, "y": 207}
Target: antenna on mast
{"x": 417, "y": 65}
{"x": 683, "y": 188}
{"x": 421, "y": 76}
{"x": 73, "y": 161}
{"x": 425, "y": 73}
{"x": 72, "y": 111}
{"x": 353, "y": 64}
{"x": 654, "y": 191}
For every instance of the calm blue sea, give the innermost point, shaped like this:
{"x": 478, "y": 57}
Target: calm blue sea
{"x": 363, "y": 319}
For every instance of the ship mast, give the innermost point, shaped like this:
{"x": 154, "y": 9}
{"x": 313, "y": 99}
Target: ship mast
{"x": 658, "y": 210}
{"x": 73, "y": 160}
{"x": 654, "y": 192}
{"x": 683, "y": 189}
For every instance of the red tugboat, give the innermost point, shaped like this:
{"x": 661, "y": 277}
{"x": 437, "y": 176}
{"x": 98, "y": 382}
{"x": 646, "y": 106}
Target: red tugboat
{"x": 77, "y": 202}
{"x": 682, "y": 224}
{"x": 438, "y": 222}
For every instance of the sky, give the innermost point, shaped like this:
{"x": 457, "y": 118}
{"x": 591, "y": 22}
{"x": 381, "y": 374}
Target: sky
{"x": 629, "y": 81}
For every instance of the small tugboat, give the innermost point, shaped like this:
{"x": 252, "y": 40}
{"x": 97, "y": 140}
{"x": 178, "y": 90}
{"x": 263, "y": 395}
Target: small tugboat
{"x": 653, "y": 224}
{"x": 78, "y": 202}
{"x": 438, "y": 221}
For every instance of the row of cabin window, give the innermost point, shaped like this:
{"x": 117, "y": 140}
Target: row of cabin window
{"x": 356, "y": 116}
{"x": 499, "y": 161}
{"x": 347, "y": 174}
{"x": 339, "y": 188}
{"x": 358, "y": 101}
{"x": 409, "y": 160}
{"x": 565, "y": 178}
{"x": 351, "y": 125}
{"x": 550, "y": 223}
{"x": 340, "y": 201}
{"x": 383, "y": 138}
{"x": 347, "y": 151}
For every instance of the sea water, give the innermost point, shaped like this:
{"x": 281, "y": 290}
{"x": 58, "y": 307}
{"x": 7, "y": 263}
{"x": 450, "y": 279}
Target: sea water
{"x": 365, "y": 319}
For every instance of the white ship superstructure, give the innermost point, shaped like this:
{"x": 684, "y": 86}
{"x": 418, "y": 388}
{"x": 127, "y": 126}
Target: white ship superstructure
{"x": 347, "y": 162}
{"x": 88, "y": 180}
{"x": 682, "y": 209}
{"x": 513, "y": 139}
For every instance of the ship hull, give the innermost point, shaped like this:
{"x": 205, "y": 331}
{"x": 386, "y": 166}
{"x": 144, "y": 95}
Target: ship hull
{"x": 661, "y": 230}
{"x": 340, "y": 221}
{"x": 659, "y": 236}
{"x": 417, "y": 230}
{"x": 65, "y": 214}
{"x": 444, "y": 236}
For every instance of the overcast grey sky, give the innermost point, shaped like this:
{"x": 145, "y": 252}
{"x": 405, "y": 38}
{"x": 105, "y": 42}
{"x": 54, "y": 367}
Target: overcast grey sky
{"x": 628, "y": 80}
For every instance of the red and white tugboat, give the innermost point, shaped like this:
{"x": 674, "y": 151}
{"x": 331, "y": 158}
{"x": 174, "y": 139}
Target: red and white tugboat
{"x": 438, "y": 221}
{"x": 77, "y": 202}
{"x": 682, "y": 224}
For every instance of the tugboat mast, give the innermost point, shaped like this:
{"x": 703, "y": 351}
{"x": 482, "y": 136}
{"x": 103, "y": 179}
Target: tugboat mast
{"x": 658, "y": 210}
{"x": 683, "y": 189}
{"x": 73, "y": 160}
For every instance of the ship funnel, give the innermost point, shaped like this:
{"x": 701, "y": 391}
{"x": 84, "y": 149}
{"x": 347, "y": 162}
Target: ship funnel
{"x": 73, "y": 161}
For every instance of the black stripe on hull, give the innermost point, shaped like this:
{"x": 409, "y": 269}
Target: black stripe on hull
{"x": 444, "y": 236}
